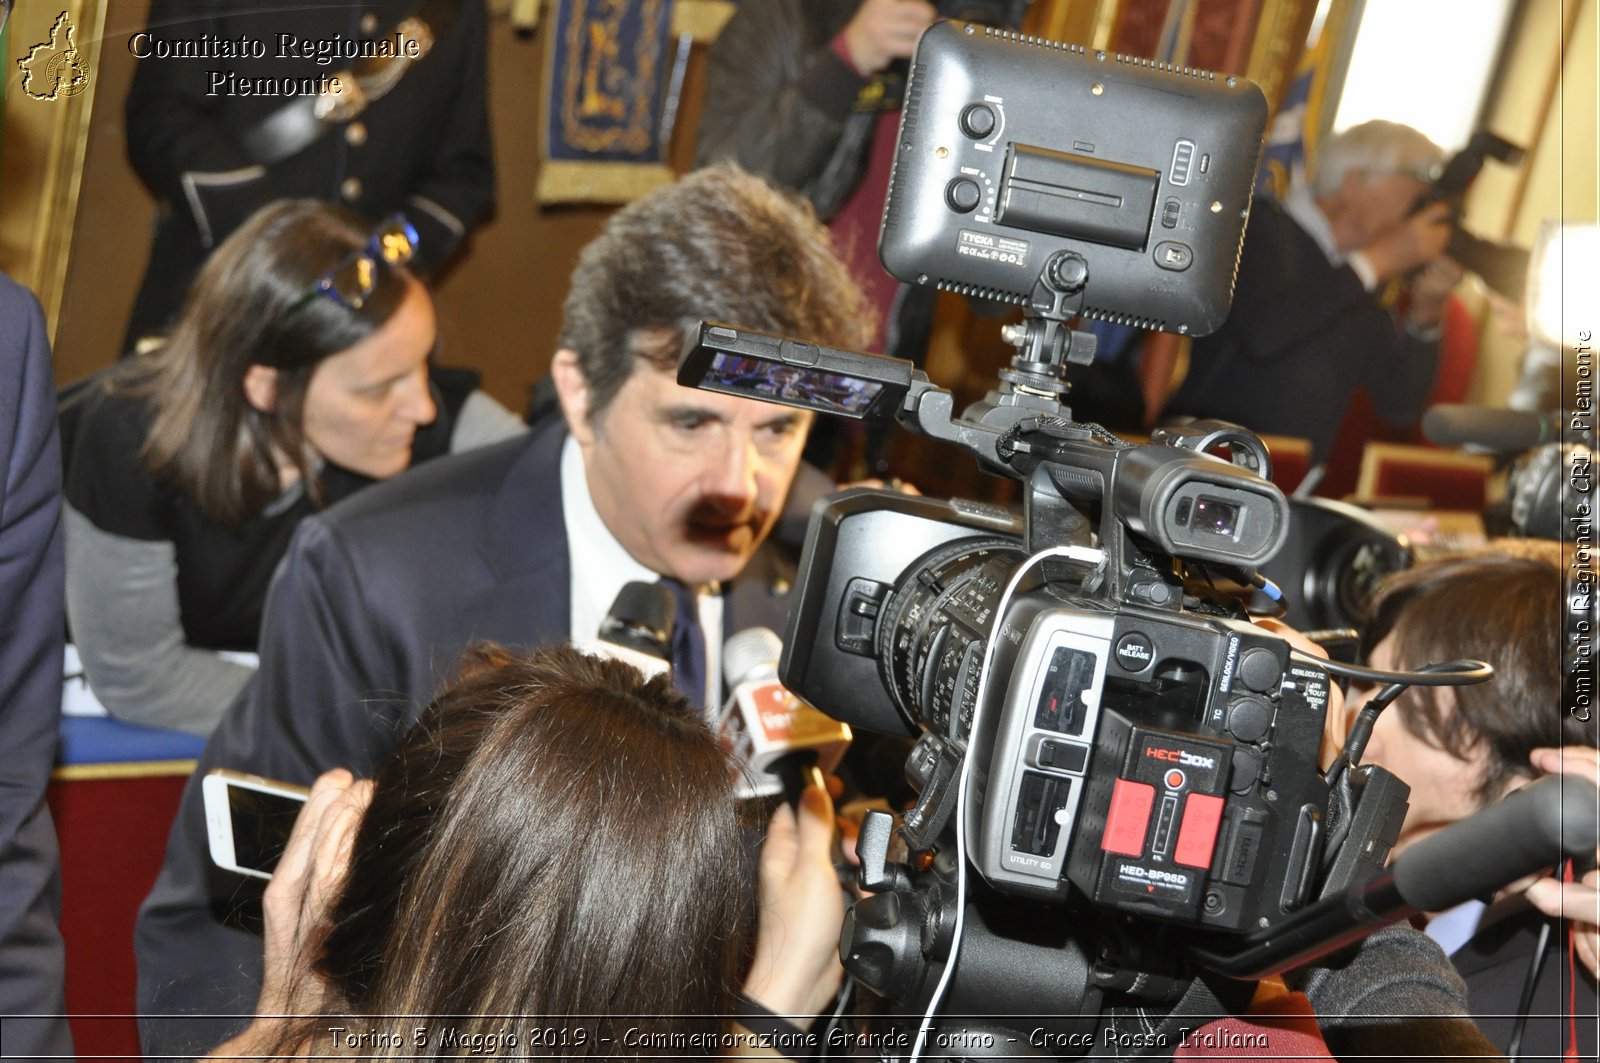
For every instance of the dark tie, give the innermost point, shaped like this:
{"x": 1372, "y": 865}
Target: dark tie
{"x": 688, "y": 644}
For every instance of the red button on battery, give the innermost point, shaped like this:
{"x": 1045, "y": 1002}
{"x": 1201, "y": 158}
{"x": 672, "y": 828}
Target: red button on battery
{"x": 1129, "y": 818}
{"x": 1197, "y": 837}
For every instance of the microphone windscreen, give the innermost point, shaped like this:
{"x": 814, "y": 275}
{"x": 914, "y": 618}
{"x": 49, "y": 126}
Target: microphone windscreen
{"x": 1525, "y": 832}
{"x": 1496, "y": 430}
{"x": 641, "y": 619}
{"x": 751, "y": 654}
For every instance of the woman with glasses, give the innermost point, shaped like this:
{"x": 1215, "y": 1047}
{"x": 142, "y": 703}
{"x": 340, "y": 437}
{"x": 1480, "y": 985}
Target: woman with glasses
{"x": 296, "y": 374}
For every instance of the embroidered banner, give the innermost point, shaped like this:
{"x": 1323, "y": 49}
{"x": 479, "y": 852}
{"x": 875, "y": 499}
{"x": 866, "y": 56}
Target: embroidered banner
{"x": 608, "y": 82}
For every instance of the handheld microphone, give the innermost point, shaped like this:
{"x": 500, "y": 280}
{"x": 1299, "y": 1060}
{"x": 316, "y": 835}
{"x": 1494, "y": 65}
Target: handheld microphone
{"x": 1493, "y": 430}
{"x": 637, "y": 630}
{"x": 778, "y": 740}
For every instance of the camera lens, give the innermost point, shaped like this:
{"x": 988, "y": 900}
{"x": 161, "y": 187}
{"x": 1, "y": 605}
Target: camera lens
{"x": 935, "y": 624}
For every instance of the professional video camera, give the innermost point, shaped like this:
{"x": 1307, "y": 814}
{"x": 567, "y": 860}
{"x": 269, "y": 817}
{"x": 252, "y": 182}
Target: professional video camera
{"x": 1503, "y": 267}
{"x": 1128, "y": 762}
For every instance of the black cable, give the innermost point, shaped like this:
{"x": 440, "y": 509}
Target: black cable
{"x": 1253, "y": 578}
{"x": 841, "y": 1000}
{"x": 1344, "y": 799}
{"x": 1447, "y": 674}
{"x": 1529, "y": 983}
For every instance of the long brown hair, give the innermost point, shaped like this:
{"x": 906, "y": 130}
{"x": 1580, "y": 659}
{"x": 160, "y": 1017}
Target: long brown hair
{"x": 205, "y": 438}
{"x": 555, "y": 840}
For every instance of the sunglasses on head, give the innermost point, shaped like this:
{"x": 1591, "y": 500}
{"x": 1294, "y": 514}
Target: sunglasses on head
{"x": 350, "y": 283}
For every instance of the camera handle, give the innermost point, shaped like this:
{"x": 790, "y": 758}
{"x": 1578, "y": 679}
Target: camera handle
{"x": 1033, "y": 388}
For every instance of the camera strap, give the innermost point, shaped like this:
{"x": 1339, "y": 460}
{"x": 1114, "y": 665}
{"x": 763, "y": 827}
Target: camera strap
{"x": 302, "y": 122}
{"x": 774, "y": 1031}
{"x": 1201, "y": 1004}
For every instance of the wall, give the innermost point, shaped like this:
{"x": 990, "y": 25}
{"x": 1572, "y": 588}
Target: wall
{"x": 1546, "y": 100}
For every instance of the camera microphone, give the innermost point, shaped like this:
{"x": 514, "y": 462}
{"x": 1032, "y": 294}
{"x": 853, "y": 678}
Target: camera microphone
{"x": 776, "y": 737}
{"x": 637, "y": 630}
{"x": 1496, "y": 431}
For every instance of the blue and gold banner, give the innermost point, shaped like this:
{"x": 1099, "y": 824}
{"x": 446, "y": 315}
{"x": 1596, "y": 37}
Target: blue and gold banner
{"x": 1306, "y": 112}
{"x": 607, "y": 67}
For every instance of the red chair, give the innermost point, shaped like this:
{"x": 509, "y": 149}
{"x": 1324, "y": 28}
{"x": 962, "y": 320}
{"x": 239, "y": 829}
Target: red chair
{"x": 113, "y": 801}
{"x": 1404, "y": 474}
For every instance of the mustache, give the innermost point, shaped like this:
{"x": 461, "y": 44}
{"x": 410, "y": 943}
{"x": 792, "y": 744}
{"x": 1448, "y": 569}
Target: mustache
{"x": 718, "y": 512}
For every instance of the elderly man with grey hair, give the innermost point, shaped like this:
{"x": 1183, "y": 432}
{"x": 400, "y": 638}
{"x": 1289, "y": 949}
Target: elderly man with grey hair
{"x": 1306, "y": 328}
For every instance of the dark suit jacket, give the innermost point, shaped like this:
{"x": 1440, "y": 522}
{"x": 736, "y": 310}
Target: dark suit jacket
{"x": 32, "y": 626}
{"x": 1301, "y": 336}
{"x": 1495, "y": 963}
{"x": 372, "y": 606}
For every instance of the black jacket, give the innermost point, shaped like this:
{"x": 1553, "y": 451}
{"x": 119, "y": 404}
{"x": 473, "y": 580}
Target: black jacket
{"x": 423, "y": 148}
{"x": 32, "y": 960}
{"x": 1495, "y": 964}
{"x": 780, "y": 103}
{"x": 1302, "y": 335}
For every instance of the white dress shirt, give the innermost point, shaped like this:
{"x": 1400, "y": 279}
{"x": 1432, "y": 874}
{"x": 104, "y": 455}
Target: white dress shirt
{"x": 601, "y": 567}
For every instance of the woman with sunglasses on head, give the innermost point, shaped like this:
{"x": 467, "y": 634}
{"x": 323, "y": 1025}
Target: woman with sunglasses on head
{"x": 296, "y": 374}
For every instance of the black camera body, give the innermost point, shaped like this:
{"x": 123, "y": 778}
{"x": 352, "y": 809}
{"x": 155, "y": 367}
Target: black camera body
{"x": 1161, "y": 762}
{"x": 1502, "y": 266}
{"x": 1129, "y": 764}
{"x": 1199, "y": 801}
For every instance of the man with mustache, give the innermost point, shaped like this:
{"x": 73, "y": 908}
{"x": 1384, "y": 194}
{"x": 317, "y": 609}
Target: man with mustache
{"x": 524, "y": 543}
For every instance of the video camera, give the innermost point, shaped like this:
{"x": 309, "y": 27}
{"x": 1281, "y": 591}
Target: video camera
{"x": 1128, "y": 762}
{"x": 1503, "y": 267}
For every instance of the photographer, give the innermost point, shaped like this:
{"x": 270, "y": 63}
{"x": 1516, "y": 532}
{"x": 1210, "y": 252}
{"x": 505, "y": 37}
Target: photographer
{"x": 1306, "y": 327}
{"x": 549, "y": 862}
{"x": 808, "y": 95}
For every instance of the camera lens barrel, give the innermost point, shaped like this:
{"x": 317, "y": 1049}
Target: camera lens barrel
{"x": 934, "y": 629}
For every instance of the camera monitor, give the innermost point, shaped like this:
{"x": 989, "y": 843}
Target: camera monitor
{"x": 761, "y": 365}
{"x": 1014, "y": 151}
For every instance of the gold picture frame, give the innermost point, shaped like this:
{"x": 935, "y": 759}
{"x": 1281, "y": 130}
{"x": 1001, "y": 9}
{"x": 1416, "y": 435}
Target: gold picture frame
{"x": 51, "y": 58}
